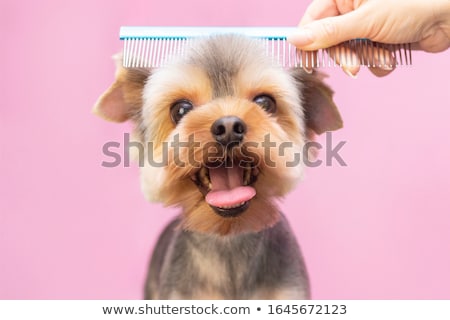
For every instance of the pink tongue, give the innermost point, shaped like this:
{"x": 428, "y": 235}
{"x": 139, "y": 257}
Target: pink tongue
{"x": 227, "y": 187}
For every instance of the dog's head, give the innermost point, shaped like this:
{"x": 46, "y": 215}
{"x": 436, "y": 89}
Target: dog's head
{"x": 224, "y": 130}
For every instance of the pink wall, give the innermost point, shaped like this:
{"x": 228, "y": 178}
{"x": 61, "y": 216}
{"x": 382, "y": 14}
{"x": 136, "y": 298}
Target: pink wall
{"x": 71, "y": 229}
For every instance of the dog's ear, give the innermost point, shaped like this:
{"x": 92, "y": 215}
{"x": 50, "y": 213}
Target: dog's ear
{"x": 123, "y": 99}
{"x": 320, "y": 111}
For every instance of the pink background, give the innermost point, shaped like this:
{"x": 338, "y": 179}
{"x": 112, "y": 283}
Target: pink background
{"x": 71, "y": 229}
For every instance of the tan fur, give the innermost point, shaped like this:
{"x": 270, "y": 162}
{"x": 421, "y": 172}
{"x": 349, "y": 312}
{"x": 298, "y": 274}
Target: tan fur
{"x": 198, "y": 214}
{"x": 151, "y": 100}
{"x": 124, "y": 98}
{"x": 162, "y": 91}
{"x": 218, "y": 88}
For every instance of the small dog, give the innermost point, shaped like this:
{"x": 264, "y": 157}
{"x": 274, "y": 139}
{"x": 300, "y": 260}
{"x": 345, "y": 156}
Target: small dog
{"x": 223, "y": 130}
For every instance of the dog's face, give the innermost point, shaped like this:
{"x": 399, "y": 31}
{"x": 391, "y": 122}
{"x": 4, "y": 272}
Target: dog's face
{"x": 224, "y": 131}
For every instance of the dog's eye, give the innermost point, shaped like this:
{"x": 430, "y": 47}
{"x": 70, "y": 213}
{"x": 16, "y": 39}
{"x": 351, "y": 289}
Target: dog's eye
{"x": 266, "y": 102}
{"x": 179, "y": 109}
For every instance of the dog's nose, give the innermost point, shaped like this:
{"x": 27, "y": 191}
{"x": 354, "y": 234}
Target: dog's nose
{"x": 228, "y": 130}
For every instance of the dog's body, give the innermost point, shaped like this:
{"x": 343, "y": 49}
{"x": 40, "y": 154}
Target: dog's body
{"x": 263, "y": 265}
{"x": 231, "y": 130}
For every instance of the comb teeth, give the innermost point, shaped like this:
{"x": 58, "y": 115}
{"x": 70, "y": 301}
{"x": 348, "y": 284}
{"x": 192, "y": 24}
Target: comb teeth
{"x": 152, "y": 52}
{"x": 147, "y": 47}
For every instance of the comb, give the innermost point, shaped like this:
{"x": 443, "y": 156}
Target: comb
{"x": 152, "y": 47}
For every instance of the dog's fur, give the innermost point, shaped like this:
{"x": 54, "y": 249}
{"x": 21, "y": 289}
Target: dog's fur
{"x": 206, "y": 252}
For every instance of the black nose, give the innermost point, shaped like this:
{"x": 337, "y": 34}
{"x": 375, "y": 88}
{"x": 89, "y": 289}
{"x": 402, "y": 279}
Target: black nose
{"x": 228, "y": 130}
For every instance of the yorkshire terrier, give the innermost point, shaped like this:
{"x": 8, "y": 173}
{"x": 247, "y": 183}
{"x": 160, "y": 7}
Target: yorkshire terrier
{"x": 231, "y": 128}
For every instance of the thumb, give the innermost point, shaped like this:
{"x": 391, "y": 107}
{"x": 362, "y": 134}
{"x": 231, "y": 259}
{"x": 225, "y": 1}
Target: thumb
{"x": 330, "y": 31}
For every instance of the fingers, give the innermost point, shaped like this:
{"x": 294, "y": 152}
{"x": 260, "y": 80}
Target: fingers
{"x": 309, "y": 60}
{"x": 380, "y": 72}
{"x": 380, "y": 59}
{"x": 332, "y": 57}
{"x": 332, "y": 24}
{"x": 319, "y": 9}
{"x": 437, "y": 42}
{"x": 327, "y": 32}
{"x": 337, "y": 56}
{"x": 347, "y": 58}
{"x": 329, "y": 22}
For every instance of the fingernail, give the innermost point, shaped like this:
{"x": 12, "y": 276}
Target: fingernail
{"x": 385, "y": 61}
{"x": 308, "y": 70}
{"x": 349, "y": 73}
{"x": 387, "y": 67}
{"x": 301, "y": 37}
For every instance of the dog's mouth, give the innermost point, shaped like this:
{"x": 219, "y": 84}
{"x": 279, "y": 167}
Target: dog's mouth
{"x": 227, "y": 188}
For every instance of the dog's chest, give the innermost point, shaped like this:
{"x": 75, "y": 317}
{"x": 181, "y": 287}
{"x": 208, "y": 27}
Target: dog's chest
{"x": 221, "y": 268}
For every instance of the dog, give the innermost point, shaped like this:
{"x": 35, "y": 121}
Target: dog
{"x": 223, "y": 128}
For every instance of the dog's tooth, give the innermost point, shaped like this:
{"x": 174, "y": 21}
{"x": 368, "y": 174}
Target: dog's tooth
{"x": 249, "y": 175}
{"x": 203, "y": 175}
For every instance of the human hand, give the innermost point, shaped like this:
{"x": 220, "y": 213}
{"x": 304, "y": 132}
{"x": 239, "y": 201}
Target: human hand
{"x": 423, "y": 23}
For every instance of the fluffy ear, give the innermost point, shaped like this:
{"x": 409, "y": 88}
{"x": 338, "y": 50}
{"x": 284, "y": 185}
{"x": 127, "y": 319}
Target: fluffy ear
{"x": 123, "y": 99}
{"x": 320, "y": 111}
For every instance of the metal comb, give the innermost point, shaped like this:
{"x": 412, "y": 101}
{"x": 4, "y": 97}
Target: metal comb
{"x": 152, "y": 47}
